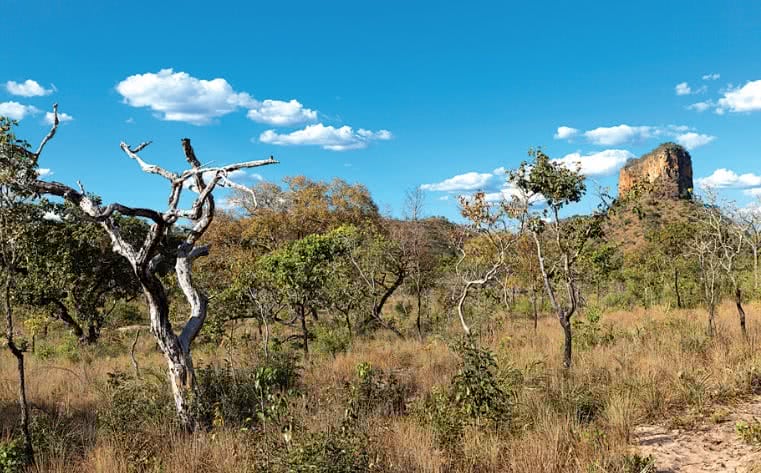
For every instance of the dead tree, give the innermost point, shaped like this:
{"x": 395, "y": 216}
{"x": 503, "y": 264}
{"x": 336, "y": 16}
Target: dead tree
{"x": 145, "y": 258}
{"x": 725, "y": 233}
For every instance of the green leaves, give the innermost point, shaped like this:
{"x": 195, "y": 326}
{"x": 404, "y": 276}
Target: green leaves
{"x": 559, "y": 185}
{"x": 301, "y": 268}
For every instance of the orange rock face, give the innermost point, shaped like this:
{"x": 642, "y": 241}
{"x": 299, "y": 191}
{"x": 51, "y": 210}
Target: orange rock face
{"x": 666, "y": 171}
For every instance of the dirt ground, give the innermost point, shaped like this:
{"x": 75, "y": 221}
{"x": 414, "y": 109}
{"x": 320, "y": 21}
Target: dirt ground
{"x": 713, "y": 446}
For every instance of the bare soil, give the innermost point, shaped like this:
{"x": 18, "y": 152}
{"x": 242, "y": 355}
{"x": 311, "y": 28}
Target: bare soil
{"x": 713, "y": 446}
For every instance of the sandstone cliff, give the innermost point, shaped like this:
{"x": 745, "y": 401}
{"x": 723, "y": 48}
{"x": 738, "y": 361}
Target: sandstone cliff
{"x": 666, "y": 171}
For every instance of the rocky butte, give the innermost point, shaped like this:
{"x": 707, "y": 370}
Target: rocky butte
{"x": 666, "y": 171}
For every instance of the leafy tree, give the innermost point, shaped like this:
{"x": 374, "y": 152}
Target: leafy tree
{"x": 483, "y": 247}
{"x": 300, "y": 270}
{"x": 303, "y": 207}
{"x": 671, "y": 242}
{"x": 17, "y": 170}
{"x": 74, "y": 271}
{"x": 559, "y": 186}
{"x": 380, "y": 263}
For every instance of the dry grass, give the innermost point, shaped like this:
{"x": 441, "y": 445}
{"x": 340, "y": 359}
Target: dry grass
{"x": 658, "y": 366}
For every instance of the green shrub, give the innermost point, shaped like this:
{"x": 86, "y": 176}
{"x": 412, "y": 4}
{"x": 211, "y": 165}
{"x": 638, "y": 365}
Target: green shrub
{"x": 244, "y": 396}
{"x": 136, "y": 411}
{"x": 749, "y": 432}
{"x": 343, "y": 451}
{"x": 635, "y": 463}
{"x": 376, "y": 392}
{"x": 476, "y": 388}
{"x": 43, "y": 351}
{"x": 332, "y": 339}
{"x": 445, "y": 419}
{"x": 11, "y": 456}
{"x": 589, "y": 332}
{"x": 69, "y": 350}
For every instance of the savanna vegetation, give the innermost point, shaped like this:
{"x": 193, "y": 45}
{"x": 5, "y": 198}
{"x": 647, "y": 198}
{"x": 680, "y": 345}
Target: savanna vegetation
{"x": 305, "y": 331}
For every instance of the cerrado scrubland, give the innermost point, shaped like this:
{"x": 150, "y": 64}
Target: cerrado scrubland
{"x": 306, "y": 331}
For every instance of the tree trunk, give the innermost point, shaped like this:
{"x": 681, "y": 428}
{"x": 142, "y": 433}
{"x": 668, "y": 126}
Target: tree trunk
{"x": 179, "y": 362}
{"x": 536, "y": 312}
{"x": 755, "y": 267}
{"x": 93, "y": 333}
{"x": 676, "y": 289}
{"x": 460, "y": 312}
{"x": 740, "y": 311}
{"x": 565, "y": 322}
{"x": 19, "y": 355}
{"x": 304, "y": 331}
{"x": 711, "y": 319}
{"x": 63, "y": 315}
{"x": 419, "y": 314}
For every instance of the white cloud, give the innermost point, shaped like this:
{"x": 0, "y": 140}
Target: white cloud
{"x": 279, "y": 113}
{"x": 683, "y": 89}
{"x": 468, "y": 182}
{"x": 17, "y": 111}
{"x": 714, "y": 76}
{"x": 701, "y": 106}
{"x": 565, "y": 133}
{"x": 62, "y": 117}
{"x": 726, "y": 178}
{"x": 44, "y": 172}
{"x": 178, "y": 96}
{"x": 627, "y": 134}
{"x": 621, "y": 134}
{"x": 597, "y": 164}
{"x": 692, "y": 140}
{"x": 755, "y": 192}
{"x": 743, "y": 99}
{"x": 328, "y": 137}
{"x": 28, "y": 88}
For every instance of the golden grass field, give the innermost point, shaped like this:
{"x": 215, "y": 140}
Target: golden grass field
{"x": 659, "y": 368}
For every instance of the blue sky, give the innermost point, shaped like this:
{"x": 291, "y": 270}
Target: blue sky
{"x": 390, "y": 94}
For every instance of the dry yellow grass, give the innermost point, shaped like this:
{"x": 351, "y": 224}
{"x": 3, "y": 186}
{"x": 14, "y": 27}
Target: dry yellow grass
{"x": 658, "y": 366}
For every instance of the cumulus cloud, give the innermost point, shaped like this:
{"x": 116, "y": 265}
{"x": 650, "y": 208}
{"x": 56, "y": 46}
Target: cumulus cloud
{"x": 44, "y": 172}
{"x": 714, "y": 76}
{"x": 683, "y": 89}
{"x": 627, "y": 134}
{"x": 565, "y": 133}
{"x": 327, "y": 137}
{"x": 603, "y": 163}
{"x": 178, "y": 96}
{"x": 620, "y": 134}
{"x": 280, "y": 113}
{"x": 62, "y": 117}
{"x": 467, "y": 182}
{"x": 726, "y": 178}
{"x": 28, "y": 88}
{"x": 692, "y": 140}
{"x": 17, "y": 111}
{"x": 742, "y": 99}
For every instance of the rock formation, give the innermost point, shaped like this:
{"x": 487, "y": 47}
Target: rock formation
{"x": 666, "y": 172}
